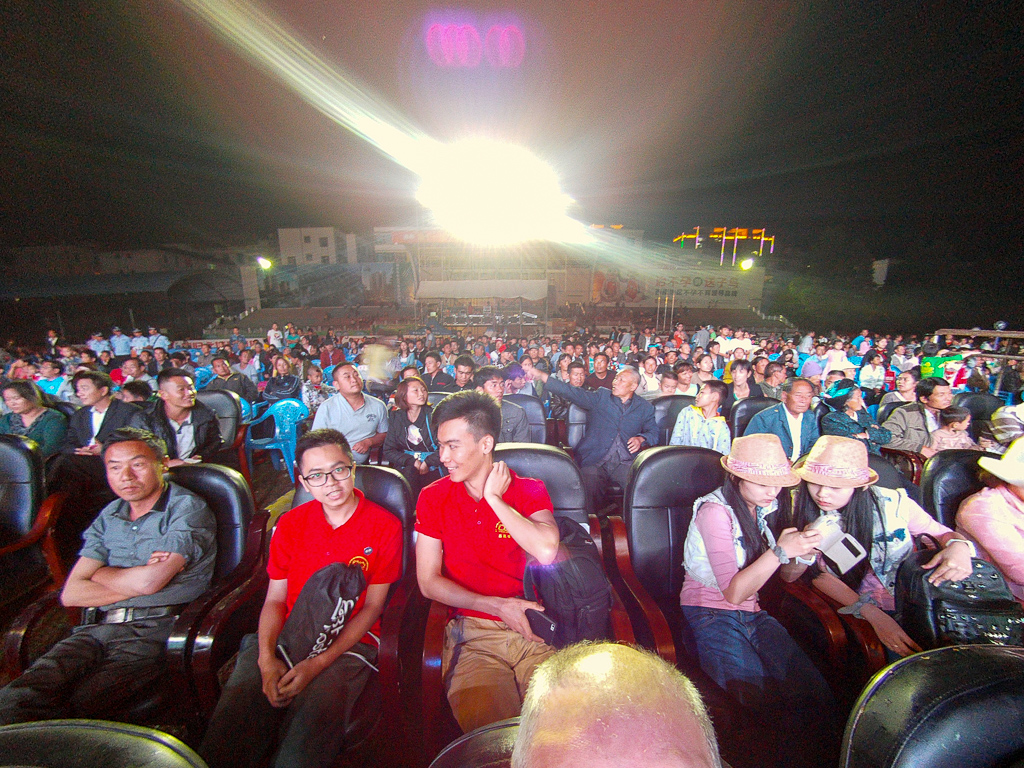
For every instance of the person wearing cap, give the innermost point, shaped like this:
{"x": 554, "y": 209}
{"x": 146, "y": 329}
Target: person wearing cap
{"x": 157, "y": 340}
{"x": 849, "y": 417}
{"x": 120, "y": 345}
{"x": 97, "y": 343}
{"x": 137, "y": 342}
{"x": 993, "y": 518}
{"x": 736, "y": 542}
{"x": 836, "y": 478}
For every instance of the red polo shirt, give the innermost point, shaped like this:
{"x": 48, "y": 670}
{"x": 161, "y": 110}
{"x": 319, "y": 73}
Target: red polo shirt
{"x": 304, "y": 542}
{"x": 479, "y": 553}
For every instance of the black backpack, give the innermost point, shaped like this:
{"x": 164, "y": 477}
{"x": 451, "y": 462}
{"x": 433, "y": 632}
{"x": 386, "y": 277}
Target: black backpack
{"x": 978, "y": 610}
{"x": 321, "y": 610}
{"x": 574, "y": 591}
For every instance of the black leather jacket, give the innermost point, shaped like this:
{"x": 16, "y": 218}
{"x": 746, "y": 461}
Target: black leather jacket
{"x": 204, "y": 421}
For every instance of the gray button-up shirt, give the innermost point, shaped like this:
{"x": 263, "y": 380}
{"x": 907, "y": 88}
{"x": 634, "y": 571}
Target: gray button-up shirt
{"x": 179, "y": 522}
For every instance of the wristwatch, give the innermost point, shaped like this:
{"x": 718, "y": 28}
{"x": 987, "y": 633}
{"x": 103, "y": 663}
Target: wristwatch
{"x": 781, "y": 554}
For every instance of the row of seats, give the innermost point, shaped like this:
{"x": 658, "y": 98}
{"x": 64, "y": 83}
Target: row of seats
{"x": 207, "y": 635}
{"x": 642, "y": 551}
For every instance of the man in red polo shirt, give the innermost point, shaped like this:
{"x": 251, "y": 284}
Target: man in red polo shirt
{"x": 303, "y": 710}
{"x": 476, "y": 529}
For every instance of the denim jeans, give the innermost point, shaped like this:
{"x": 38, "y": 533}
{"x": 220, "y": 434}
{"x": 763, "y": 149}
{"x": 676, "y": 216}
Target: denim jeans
{"x": 752, "y": 657}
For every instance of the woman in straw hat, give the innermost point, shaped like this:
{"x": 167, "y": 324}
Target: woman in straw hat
{"x": 994, "y": 518}
{"x": 731, "y": 551}
{"x": 836, "y": 478}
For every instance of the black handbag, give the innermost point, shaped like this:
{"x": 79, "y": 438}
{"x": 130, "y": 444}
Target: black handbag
{"x": 979, "y": 610}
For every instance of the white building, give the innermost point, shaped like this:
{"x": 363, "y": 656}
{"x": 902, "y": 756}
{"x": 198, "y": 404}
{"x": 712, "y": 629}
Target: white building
{"x": 303, "y": 246}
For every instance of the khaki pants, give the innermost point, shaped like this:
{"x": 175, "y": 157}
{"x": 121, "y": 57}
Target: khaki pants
{"x": 486, "y": 668}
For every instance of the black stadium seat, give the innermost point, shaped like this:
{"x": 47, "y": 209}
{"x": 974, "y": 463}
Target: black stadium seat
{"x": 950, "y": 477}
{"x": 92, "y": 744}
{"x": 238, "y": 613}
{"x": 947, "y": 708}
{"x": 744, "y": 410}
{"x": 666, "y": 411}
{"x": 534, "y": 414}
{"x": 981, "y": 405}
{"x": 885, "y": 411}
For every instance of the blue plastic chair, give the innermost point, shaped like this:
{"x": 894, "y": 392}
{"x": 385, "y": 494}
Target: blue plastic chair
{"x": 286, "y": 415}
{"x": 329, "y": 373}
{"x": 204, "y": 375}
{"x": 246, "y": 410}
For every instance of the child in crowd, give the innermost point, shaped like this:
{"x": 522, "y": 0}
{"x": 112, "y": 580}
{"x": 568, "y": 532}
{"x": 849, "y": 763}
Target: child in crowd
{"x": 954, "y": 432}
{"x": 699, "y": 424}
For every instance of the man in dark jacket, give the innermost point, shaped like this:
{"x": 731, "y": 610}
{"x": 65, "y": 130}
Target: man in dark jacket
{"x": 189, "y": 427}
{"x": 79, "y": 471}
{"x": 233, "y": 382}
{"x": 433, "y": 376}
{"x": 619, "y": 425}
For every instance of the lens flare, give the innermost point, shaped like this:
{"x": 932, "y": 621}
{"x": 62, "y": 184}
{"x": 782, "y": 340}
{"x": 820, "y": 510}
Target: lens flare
{"x": 481, "y": 190}
{"x": 491, "y": 193}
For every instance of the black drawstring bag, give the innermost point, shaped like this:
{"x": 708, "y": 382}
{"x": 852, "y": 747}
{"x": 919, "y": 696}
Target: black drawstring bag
{"x": 574, "y": 591}
{"x": 321, "y": 611}
{"x": 979, "y": 610}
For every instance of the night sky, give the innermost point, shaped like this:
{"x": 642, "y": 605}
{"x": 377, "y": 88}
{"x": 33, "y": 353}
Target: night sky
{"x": 131, "y": 124}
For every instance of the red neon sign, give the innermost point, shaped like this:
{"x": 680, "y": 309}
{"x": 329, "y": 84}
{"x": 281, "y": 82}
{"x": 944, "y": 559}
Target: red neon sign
{"x": 460, "y": 46}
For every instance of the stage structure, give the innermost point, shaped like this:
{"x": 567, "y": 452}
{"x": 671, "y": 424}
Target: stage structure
{"x": 619, "y": 272}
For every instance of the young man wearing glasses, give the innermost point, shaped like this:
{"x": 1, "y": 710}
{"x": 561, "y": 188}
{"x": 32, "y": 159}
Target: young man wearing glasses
{"x": 301, "y": 711}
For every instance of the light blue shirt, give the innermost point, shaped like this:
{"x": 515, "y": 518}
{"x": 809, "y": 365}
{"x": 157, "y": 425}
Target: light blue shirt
{"x": 122, "y": 345}
{"x": 336, "y": 413}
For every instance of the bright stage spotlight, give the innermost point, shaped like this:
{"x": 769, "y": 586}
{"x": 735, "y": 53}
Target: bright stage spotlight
{"x": 746, "y": 264}
{"x": 264, "y": 262}
{"x": 491, "y": 193}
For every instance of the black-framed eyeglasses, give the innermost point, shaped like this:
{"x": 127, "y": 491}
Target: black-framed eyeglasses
{"x": 344, "y": 472}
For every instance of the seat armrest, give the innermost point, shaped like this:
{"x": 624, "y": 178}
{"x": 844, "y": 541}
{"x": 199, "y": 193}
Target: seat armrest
{"x": 907, "y": 462}
{"x": 622, "y": 627}
{"x": 217, "y": 638}
{"x": 20, "y": 635}
{"x": 397, "y": 635}
{"x": 432, "y": 694}
{"x": 864, "y": 638}
{"x": 664, "y": 645}
{"x": 42, "y": 533}
{"x": 826, "y": 615}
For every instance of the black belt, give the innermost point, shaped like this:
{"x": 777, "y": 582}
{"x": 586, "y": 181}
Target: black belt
{"x": 124, "y": 615}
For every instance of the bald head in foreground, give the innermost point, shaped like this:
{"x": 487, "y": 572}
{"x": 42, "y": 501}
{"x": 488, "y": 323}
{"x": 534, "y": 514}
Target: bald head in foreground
{"x": 605, "y": 705}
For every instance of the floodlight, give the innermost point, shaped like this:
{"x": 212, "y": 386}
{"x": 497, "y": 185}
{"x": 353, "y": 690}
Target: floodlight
{"x": 746, "y": 264}
{"x": 492, "y": 193}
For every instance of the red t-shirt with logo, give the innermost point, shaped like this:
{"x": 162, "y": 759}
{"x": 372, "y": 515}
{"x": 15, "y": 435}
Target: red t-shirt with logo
{"x": 304, "y": 542}
{"x": 479, "y": 553}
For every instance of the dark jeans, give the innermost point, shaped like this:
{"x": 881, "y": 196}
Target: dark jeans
{"x": 90, "y": 673}
{"x": 753, "y": 658}
{"x": 598, "y": 477}
{"x": 310, "y": 731}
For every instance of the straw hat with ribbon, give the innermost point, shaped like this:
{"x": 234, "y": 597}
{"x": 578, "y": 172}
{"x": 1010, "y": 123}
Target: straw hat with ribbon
{"x": 837, "y": 462}
{"x": 760, "y": 459}
{"x": 1010, "y": 466}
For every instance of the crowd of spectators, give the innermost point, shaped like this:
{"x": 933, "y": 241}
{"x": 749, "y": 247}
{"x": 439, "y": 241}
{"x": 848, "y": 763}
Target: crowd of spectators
{"x": 435, "y": 406}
